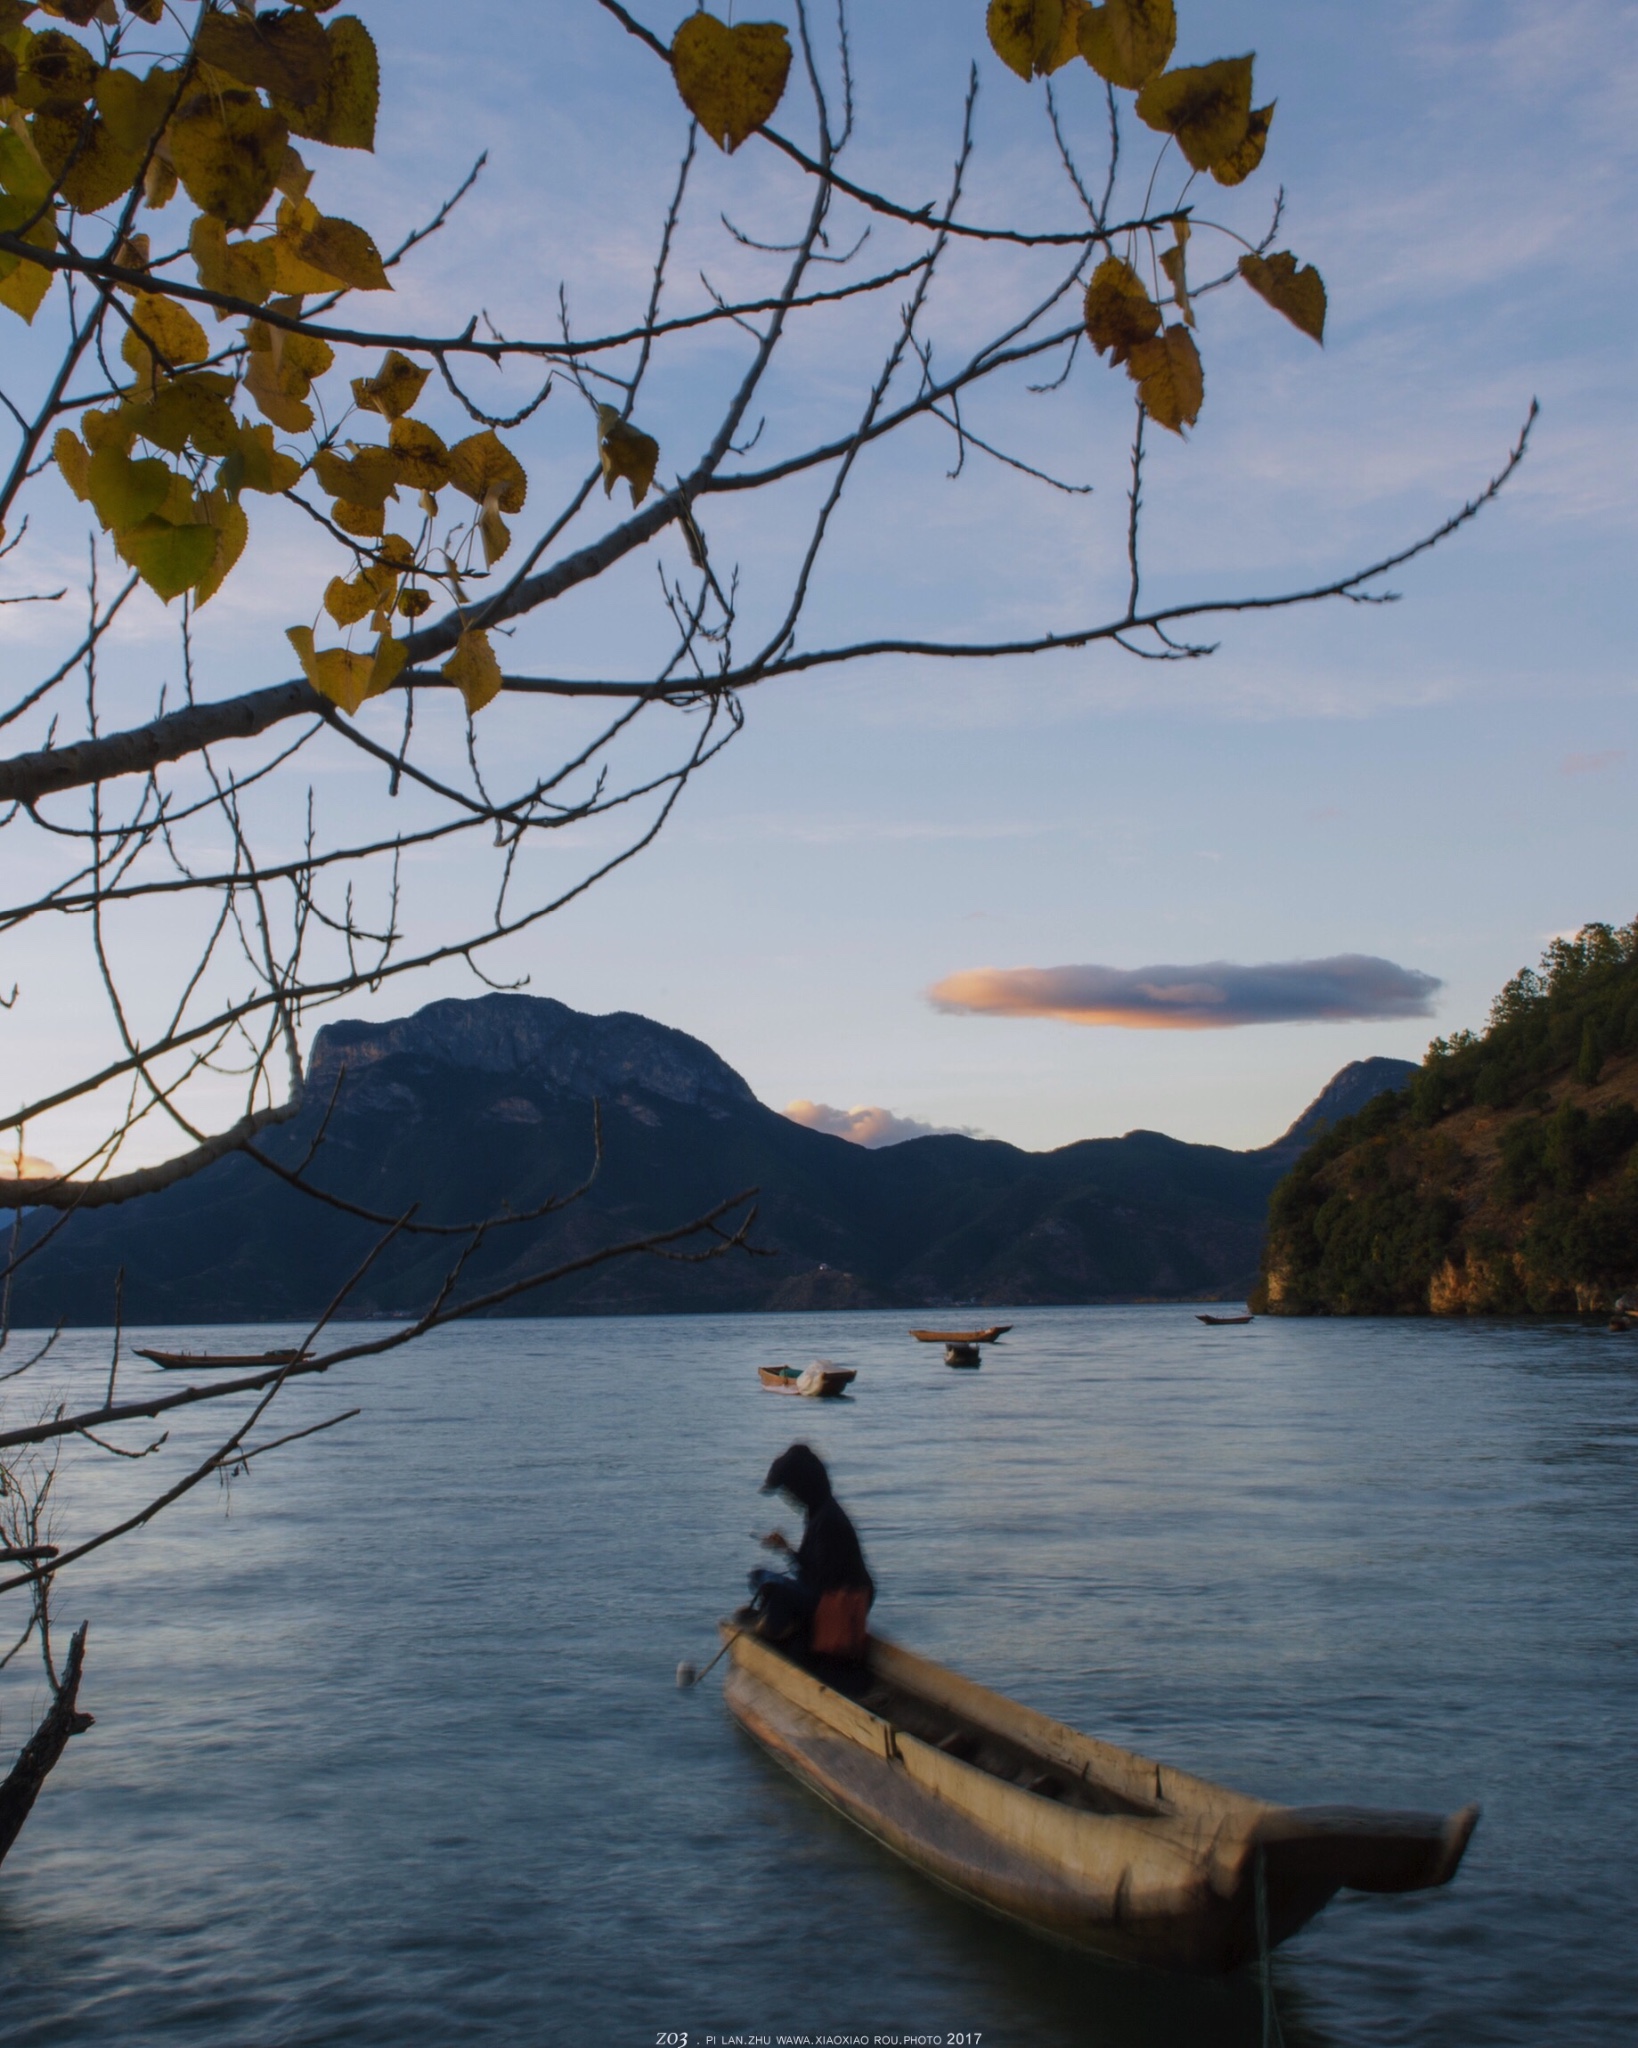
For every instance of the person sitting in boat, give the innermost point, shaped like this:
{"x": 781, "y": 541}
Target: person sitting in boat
{"x": 823, "y": 1604}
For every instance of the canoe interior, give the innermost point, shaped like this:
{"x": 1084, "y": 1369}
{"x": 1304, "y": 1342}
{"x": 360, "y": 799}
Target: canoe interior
{"x": 1077, "y": 1838}
{"x": 786, "y": 1379}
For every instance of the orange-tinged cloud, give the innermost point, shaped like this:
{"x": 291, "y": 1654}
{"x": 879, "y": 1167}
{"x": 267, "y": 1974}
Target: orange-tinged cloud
{"x": 19, "y": 1166}
{"x": 1215, "y": 996}
{"x": 865, "y": 1124}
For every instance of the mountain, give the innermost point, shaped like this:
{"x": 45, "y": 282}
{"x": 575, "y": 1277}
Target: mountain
{"x": 1504, "y": 1179}
{"x": 467, "y": 1107}
{"x": 1345, "y": 1094}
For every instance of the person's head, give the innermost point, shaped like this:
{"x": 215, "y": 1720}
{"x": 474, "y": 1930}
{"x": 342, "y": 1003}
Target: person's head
{"x": 800, "y": 1475}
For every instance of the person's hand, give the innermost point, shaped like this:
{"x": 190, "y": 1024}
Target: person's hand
{"x": 775, "y": 1540}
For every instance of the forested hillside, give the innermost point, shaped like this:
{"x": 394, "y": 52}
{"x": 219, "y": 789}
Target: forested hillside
{"x": 1503, "y": 1179}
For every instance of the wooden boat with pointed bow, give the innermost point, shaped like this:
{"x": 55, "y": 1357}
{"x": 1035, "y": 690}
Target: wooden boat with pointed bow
{"x": 1079, "y": 1839}
{"x": 962, "y": 1336}
{"x": 220, "y": 1361}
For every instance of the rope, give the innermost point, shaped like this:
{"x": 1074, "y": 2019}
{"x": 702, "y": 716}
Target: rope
{"x": 1272, "y": 2037}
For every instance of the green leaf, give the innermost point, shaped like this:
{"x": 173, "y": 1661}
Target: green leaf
{"x": 169, "y": 559}
{"x": 123, "y": 493}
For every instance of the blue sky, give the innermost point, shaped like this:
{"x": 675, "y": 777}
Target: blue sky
{"x": 1443, "y": 784}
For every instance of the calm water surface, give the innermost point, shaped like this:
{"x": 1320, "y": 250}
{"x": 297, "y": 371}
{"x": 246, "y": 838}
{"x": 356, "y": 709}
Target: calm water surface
{"x": 388, "y": 1748}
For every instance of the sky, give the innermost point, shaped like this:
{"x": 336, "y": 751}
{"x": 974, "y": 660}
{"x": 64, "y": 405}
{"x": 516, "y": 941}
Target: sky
{"x": 1342, "y": 832}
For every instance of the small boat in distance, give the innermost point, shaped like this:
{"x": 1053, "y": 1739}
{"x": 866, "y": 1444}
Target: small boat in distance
{"x": 962, "y": 1336}
{"x": 1222, "y": 1322}
{"x": 962, "y": 1355}
{"x": 1076, "y": 1838}
{"x": 821, "y": 1381}
{"x": 220, "y": 1361}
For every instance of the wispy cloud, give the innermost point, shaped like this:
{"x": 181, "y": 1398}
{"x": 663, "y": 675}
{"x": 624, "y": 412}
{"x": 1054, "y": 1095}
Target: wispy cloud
{"x": 1214, "y": 996}
{"x": 866, "y": 1124}
{"x": 1593, "y": 764}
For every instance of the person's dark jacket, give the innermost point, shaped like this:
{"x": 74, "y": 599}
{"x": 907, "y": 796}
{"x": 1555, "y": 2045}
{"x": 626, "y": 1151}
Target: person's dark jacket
{"x": 828, "y": 1555}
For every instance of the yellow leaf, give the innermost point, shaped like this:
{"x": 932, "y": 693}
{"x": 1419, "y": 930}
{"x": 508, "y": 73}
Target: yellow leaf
{"x": 730, "y": 79}
{"x": 169, "y": 559}
{"x": 348, "y": 602}
{"x": 335, "y": 672}
{"x": 302, "y": 355}
{"x": 52, "y": 66}
{"x": 239, "y": 270}
{"x": 390, "y": 657}
{"x": 232, "y": 530}
{"x": 1026, "y": 34}
{"x": 262, "y": 467}
{"x": 624, "y": 452}
{"x": 492, "y": 528}
{"x": 343, "y": 113}
{"x": 71, "y": 458}
{"x": 1169, "y": 378}
{"x": 23, "y": 290}
{"x": 159, "y": 183}
{"x": 413, "y": 603}
{"x": 193, "y": 407}
{"x": 1239, "y": 164}
{"x": 1298, "y": 294}
{"x": 294, "y": 176}
{"x": 1206, "y": 106}
{"x": 134, "y": 107}
{"x": 343, "y": 252}
{"x": 287, "y": 55}
{"x": 115, "y": 428}
{"x": 1127, "y": 41}
{"x": 474, "y": 668}
{"x": 162, "y": 336}
{"x": 90, "y": 169}
{"x": 1173, "y": 262}
{"x": 1068, "y": 44}
{"x": 367, "y": 477}
{"x": 366, "y": 521}
{"x": 269, "y": 396}
{"x": 1119, "y": 312}
{"x": 423, "y": 460}
{"x": 393, "y": 389}
{"x": 228, "y": 150}
{"x": 481, "y": 463}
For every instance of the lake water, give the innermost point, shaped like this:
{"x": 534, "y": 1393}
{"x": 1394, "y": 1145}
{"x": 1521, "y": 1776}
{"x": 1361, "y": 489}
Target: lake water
{"x": 389, "y": 1749}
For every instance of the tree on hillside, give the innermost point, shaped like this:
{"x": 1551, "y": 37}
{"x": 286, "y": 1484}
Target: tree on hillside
{"x": 215, "y": 399}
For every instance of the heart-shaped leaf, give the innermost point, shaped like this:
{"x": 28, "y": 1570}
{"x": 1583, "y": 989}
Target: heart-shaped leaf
{"x": 730, "y": 79}
{"x": 1127, "y": 41}
{"x": 1298, "y": 294}
{"x": 1206, "y": 106}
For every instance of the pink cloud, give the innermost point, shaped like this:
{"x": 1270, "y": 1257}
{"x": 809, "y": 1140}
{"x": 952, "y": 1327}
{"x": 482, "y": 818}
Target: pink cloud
{"x": 865, "y": 1124}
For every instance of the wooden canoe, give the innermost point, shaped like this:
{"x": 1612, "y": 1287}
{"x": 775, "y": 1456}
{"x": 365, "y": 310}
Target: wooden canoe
{"x": 1222, "y": 1322}
{"x": 1076, "y": 1838}
{"x": 962, "y": 1336}
{"x": 824, "y": 1383}
{"x": 220, "y": 1361}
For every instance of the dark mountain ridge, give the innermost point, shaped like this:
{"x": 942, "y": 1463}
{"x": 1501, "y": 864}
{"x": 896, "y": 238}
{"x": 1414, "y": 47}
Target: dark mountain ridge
{"x": 467, "y": 1107}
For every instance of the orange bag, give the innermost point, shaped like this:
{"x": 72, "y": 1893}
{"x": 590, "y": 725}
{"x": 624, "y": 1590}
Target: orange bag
{"x": 839, "y": 1623}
